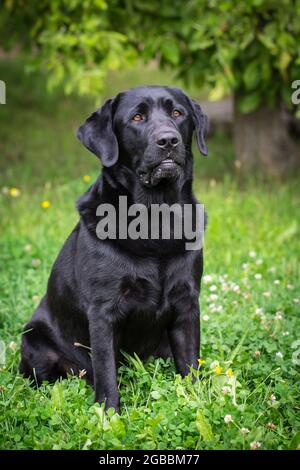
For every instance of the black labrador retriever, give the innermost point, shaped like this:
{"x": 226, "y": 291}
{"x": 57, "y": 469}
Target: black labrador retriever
{"x": 141, "y": 295}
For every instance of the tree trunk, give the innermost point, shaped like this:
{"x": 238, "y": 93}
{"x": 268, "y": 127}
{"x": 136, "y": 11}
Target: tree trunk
{"x": 263, "y": 144}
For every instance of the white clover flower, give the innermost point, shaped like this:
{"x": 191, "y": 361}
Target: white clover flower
{"x": 36, "y": 262}
{"x": 226, "y": 390}
{"x": 257, "y": 276}
{"x": 276, "y": 282}
{"x": 278, "y": 315}
{"x": 216, "y": 308}
{"x": 245, "y": 265}
{"x": 228, "y": 419}
{"x": 272, "y": 269}
{"x": 235, "y": 288}
{"x": 213, "y": 288}
{"x": 205, "y": 317}
{"x": 279, "y": 355}
{"x": 267, "y": 294}
{"x": 259, "y": 311}
{"x": 245, "y": 430}
{"x": 273, "y": 397}
{"x": 296, "y": 301}
{"x": 255, "y": 445}
{"x": 259, "y": 262}
{"x": 290, "y": 286}
{"x": 252, "y": 254}
{"x": 213, "y": 297}
{"x": 207, "y": 279}
{"x": 214, "y": 364}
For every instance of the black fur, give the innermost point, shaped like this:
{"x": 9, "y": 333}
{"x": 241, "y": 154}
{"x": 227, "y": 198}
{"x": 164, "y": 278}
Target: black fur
{"x": 133, "y": 295}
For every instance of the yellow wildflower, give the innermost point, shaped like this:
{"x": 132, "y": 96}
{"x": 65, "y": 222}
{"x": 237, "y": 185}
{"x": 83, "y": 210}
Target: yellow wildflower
{"x": 14, "y": 192}
{"x": 218, "y": 370}
{"x": 201, "y": 361}
{"x": 86, "y": 178}
{"x": 229, "y": 372}
{"x": 45, "y": 204}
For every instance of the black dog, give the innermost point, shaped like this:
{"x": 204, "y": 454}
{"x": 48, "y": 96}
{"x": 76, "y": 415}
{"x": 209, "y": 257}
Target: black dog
{"x": 133, "y": 295}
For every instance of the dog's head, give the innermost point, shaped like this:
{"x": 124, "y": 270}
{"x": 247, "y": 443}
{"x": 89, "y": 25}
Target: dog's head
{"x": 148, "y": 129}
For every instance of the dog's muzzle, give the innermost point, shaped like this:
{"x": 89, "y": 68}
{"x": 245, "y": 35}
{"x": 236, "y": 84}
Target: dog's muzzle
{"x": 167, "y": 169}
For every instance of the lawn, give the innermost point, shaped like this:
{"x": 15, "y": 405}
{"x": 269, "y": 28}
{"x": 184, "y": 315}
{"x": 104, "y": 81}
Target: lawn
{"x": 250, "y": 353}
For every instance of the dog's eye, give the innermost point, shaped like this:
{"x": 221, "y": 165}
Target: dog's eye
{"x": 176, "y": 113}
{"x": 137, "y": 117}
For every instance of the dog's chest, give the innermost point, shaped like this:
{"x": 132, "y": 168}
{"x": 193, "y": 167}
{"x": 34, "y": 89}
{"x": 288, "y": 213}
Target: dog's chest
{"x": 147, "y": 303}
{"x": 154, "y": 292}
{"x": 140, "y": 294}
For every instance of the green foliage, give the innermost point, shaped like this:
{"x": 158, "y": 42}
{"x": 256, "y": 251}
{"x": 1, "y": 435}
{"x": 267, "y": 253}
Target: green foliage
{"x": 203, "y": 426}
{"x": 74, "y": 39}
{"x": 249, "y": 47}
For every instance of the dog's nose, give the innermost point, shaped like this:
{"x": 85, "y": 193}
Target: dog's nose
{"x": 167, "y": 139}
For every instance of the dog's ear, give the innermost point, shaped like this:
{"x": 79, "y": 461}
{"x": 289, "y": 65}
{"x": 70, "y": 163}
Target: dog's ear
{"x": 98, "y": 136}
{"x": 201, "y": 126}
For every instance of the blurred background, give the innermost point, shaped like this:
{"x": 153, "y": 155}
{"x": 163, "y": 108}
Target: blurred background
{"x": 59, "y": 59}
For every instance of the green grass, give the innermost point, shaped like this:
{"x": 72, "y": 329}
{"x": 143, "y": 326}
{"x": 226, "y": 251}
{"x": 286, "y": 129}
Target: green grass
{"x": 241, "y": 328}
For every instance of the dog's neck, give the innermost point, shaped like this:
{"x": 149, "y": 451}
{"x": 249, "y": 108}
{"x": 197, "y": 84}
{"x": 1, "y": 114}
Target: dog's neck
{"x": 124, "y": 182}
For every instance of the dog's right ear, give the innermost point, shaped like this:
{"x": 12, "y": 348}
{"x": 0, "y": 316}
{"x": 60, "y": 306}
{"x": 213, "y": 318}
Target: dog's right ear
{"x": 98, "y": 136}
{"x": 201, "y": 126}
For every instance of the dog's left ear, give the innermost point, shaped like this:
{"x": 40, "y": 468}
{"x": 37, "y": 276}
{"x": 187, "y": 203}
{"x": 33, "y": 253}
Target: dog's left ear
{"x": 201, "y": 126}
{"x": 98, "y": 136}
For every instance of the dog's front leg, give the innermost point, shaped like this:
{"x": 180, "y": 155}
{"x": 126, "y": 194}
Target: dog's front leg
{"x": 184, "y": 335}
{"x": 103, "y": 350}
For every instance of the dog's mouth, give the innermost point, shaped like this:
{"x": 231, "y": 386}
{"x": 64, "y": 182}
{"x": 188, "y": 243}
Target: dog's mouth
{"x": 167, "y": 169}
{"x": 167, "y": 163}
